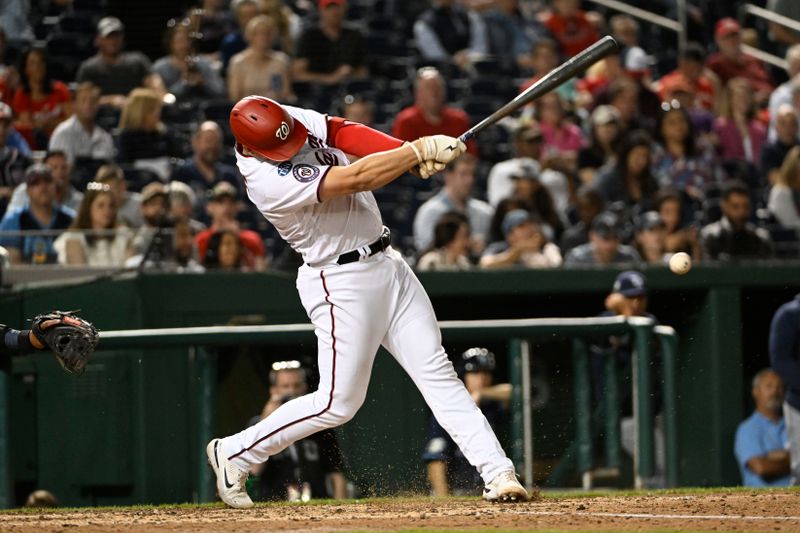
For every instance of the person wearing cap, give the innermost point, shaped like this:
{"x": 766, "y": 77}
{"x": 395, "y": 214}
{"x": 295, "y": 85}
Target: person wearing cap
{"x": 115, "y": 72}
{"x": 733, "y": 237}
{"x": 182, "y": 201}
{"x": 651, "y": 238}
{"x": 604, "y": 247}
{"x": 691, "y": 76}
{"x": 525, "y": 245}
{"x": 456, "y": 195}
{"x": 604, "y": 135}
{"x": 66, "y": 193}
{"x": 223, "y": 206}
{"x": 307, "y": 467}
{"x": 527, "y": 148}
{"x": 628, "y": 298}
{"x": 570, "y": 25}
{"x": 79, "y": 137}
{"x": 731, "y": 61}
{"x": 446, "y": 32}
{"x": 205, "y": 169}
{"x": 258, "y": 69}
{"x": 330, "y": 53}
{"x": 42, "y": 214}
{"x": 449, "y": 472}
{"x": 430, "y": 114}
{"x": 537, "y": 199}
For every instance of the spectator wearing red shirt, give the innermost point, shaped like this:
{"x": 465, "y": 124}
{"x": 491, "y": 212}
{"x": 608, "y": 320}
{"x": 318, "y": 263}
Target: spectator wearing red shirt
{"x": 731, "y": 62}
{"x": 691, "y": 75}
{"x": 223, "y": 207}
{"x": 570, "y": 26}
{"x": 429, "y": 115}
{"x": 40, "y": 102}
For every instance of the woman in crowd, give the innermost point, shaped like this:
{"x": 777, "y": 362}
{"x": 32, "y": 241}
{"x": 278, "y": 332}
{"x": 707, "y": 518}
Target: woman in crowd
{"x": 740, "y": 134}
{"x": 606, "y": 129}
{"x": 288, "y": 24}
{"x": 561, "y": 139}
{"x": 185, "y": 74}
{"x": 679, "y": 161}
{"x": 681, "y": 236}
{"x": 224, "y": 251}
{"x": 539, "y": 202}
{"x": 142, "y": 135}
{"x": 95, "y": 237}
{"x": 451, "y": 245}
{"x": 40, "y": 102}
{"x": 630, "y": 181}
{"x": 259, "y": 69}
{"x": 784, "y": 197}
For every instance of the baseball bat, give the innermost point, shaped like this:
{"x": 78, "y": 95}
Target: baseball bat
{"x": 552, "y": 80}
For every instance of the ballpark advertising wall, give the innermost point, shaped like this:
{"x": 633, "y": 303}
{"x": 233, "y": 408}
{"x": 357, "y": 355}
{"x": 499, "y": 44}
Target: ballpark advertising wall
{"x": 127, "y": 430}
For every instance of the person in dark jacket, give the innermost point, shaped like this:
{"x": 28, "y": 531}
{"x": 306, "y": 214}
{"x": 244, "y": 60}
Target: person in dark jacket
{"x": 784, "y": 355}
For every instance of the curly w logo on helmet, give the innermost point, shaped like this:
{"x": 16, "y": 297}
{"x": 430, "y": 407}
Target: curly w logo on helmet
{"x": 282, "y": 132}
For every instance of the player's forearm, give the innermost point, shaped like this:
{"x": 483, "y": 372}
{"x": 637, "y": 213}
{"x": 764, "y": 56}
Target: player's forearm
{"x": 376, "y": 170}
{"x": 769, "y": 468}
{"x": 18, "y": 341}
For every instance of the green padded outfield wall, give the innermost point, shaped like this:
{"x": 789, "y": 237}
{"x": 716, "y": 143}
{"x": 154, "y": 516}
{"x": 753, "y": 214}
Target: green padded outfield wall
{"x": 124, "y": 431}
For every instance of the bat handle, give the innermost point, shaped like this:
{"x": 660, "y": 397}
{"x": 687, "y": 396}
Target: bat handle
{"x": 466, "y": 136}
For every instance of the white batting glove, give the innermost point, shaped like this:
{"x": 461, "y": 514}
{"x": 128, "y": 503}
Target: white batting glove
{"x": 441, "y": 148}
{"x": 426, "y": 169}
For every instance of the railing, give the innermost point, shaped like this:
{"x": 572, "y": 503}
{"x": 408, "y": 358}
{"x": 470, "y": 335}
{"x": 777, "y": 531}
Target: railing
{"x": 678, "y": 26}
{"x": 517, "y": 331}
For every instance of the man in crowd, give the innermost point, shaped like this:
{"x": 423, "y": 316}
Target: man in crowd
{"x": 115, "y": 72}
{"x": 527, "y": 147}
{"x": 761, "y": 440}
{"x": 604, "y": 247}
{"x": 774, "y": 152}
{"x": 61, "y": 170}
{"x": 205, "y": 170}
{"x": 691, "y": 76}
{"x": 429, "y": 115}
{"x": 42, "y": 215}
{"x": 589, "y": 205}
{"x": 234, "y": 42}
{"x": 223, "y": 206}
{"x": 456, "y": 195}
{"x": 79, "y": 136}
{"x": 733, "y": 237}
{"x": 783, "y": 93}
{"x": 330, "y": 52}
{"x": 299, "y": 472}
{"x": 784, "y": 355}
{"x": 449, "y": 473}
{"x": 447, "y": 32}
{"x": 731, "y": 61}
{"x": 525, "y": 244}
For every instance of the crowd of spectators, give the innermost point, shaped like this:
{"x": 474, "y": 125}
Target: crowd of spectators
{"x": 109, "y": 157}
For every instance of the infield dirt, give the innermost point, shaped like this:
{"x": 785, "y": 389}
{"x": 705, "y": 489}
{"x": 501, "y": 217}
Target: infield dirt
{"x": 715, "y": 511}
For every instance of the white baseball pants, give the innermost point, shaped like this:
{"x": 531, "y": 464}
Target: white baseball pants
{"x": 356, "y": 308}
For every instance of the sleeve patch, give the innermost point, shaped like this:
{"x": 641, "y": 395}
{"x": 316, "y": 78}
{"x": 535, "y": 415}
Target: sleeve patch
{"x": 304, "y": 173}
{"x": 284, "y": 168}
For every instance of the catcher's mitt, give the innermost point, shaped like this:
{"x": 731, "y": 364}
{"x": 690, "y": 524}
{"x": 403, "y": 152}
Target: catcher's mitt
{"x": 71, "y": 338}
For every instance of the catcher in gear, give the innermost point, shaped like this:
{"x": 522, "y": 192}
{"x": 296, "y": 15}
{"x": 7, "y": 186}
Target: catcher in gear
{"x": 71, "y": 339}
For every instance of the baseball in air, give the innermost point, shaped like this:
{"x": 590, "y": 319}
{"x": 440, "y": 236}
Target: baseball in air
{"x": 680, "y": 263}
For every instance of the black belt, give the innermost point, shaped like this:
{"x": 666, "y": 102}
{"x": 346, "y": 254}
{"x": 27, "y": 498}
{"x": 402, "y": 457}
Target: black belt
{"x": 380, "y": 245}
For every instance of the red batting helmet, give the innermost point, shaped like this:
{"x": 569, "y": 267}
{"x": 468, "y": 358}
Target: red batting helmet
{"x": 264, "y": 127}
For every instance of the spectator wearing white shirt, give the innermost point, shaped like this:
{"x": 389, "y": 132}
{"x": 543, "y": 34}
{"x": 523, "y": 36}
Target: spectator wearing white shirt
{"x": 79, "y": 136}
{"x": 459, "y": 177}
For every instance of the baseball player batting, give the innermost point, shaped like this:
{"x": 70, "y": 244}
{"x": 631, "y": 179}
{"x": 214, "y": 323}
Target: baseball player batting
{"x": 357, "y": 290}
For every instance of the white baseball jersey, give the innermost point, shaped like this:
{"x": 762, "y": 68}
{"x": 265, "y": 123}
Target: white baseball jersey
{"x": 287, "y": 194}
